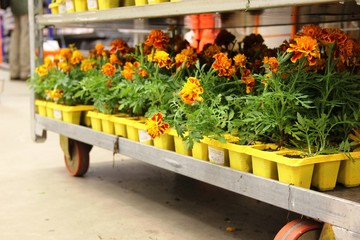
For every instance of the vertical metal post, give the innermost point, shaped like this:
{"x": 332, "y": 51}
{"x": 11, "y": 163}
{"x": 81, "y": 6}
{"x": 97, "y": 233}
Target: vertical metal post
{"x": 35, "y": 35}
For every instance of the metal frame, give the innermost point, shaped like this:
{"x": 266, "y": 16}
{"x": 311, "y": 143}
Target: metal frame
{"x": 343, "y": 214}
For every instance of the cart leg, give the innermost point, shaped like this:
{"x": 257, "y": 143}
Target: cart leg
{"x": 76, "y": 156}
{"x": 300, "y": 229}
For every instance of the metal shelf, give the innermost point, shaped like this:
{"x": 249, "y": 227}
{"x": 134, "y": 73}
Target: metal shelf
{"x": 168, "y": 9}
{"x": 343, "y": 214}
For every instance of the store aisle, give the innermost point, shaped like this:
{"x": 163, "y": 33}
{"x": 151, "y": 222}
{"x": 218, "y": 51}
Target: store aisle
{"x": 130, "y": 201}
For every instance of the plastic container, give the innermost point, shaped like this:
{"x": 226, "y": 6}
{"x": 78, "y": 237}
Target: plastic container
{"x": 70, "y": 6}
{"x": 157, "y": 1}
{"x": 106, "y": 4}
{"x": 141, "y": 2}
{"x": 92, "y": 5}
{"x": 80, "y": 5}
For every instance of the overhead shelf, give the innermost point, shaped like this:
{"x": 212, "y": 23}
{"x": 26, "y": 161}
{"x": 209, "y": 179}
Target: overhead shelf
{"x": 170, "y": 9}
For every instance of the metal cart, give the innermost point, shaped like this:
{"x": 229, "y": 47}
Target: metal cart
{"x": 338, "y": 209}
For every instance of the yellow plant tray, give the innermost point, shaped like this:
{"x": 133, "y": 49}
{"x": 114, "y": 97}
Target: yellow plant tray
{"x": 136, "y": 130}
{"x": 41, "y": 107}
{"x": 180, "y": 145}
{"x": 70, "y": 114}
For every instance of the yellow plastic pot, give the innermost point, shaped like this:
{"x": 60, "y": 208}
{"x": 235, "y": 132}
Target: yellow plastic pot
{"x": 80, "y": 5}
{"x": 157, "y": 1}
{"x": 179, "y": 144}
{"x": 54, "y": 7}
{"x": 92, "y": 5}
{"x": 50, "y": 109}
{"x": 200, "y": 151}
{"x": 70, "y": 6}
{"x": 165, "y": 141}
{"x": 325, "y": 175}
{"x": 125, "y": 3}
{"x": 95, "y": 120}
{"x": 41, "y": 107}
{"x": 141, "y": 2}
{"x": 106, "y": 4}
{"x": 136, "y": 131}
{"x": 349, "y": 172}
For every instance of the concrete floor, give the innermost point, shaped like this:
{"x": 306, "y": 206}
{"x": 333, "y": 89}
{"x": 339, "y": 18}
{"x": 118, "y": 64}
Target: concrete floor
{"x": 129, "y": 201}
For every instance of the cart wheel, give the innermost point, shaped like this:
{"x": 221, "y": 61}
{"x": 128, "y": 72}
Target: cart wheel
{"x": 77, "y": 163}
{"x": 300, "y": 229}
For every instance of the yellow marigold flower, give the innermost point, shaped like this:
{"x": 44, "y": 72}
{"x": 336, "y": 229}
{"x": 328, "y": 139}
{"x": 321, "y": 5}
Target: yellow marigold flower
{"x": 108, "y": 69}
{"x": 157, "y": 39}
{"x": 54, "y": 94}
{"x": 162, "y": 58}
{"x": 128, "y": 71}
{"x": 64, "y": 66}
{"x": 191, "y": 91}
{"x": 304, "y": 46}
{"x": 65, "y": 53}
{"x": 48, "y": 62}
{"x": 155, "y": 126}
{"x": 223, "y": 65}
{"x": 186, "y": 55}
{"x": 240, "y": 60}
{"x": 42, "y": 70}
{"x": 76, "y": 57}
{"x": 87, "y": 64}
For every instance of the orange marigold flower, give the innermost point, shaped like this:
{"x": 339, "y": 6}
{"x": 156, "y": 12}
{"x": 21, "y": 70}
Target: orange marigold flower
{"x": 240, "y": 60}
{"x": 191, "y": 91}
{"x": 119, "y": 45}
{"x": 223, "y": 65}
{"x": 99, "y": 49}
{"x": 273, "y": 64}
{"x": 155, "y": 126}
{"x": 65, "y": 53}
{"x": 304, "y": 46}
{"x": 211, "y": 50}
{"x": 249, "y": 80}
{"x": 114, "y": 59}
{"x": 143, "y": 73}
{"x": 42, "y": 70}
{"x": 311, "y": 30}
{"x": 162, "y": 58}
{"x": 108, "y": 69}
{"x": 128, "y": 71}
{"x": 158, "y": 39}
{"x": 76, "y": 57}
{"x": 187, "y": 56}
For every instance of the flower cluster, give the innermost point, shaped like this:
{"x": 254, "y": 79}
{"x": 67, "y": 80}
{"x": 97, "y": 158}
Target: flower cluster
{"x": 298, "y": 94}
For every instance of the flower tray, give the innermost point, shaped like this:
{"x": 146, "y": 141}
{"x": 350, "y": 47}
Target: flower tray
{"x": 71, "y": 114}
{"x": 136, "y": 130}
{"x": 41, "y": 107}
{"x": 104, "y": 122}
{"x": 179, "y": 144}
{"x": 319, "y": 171}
